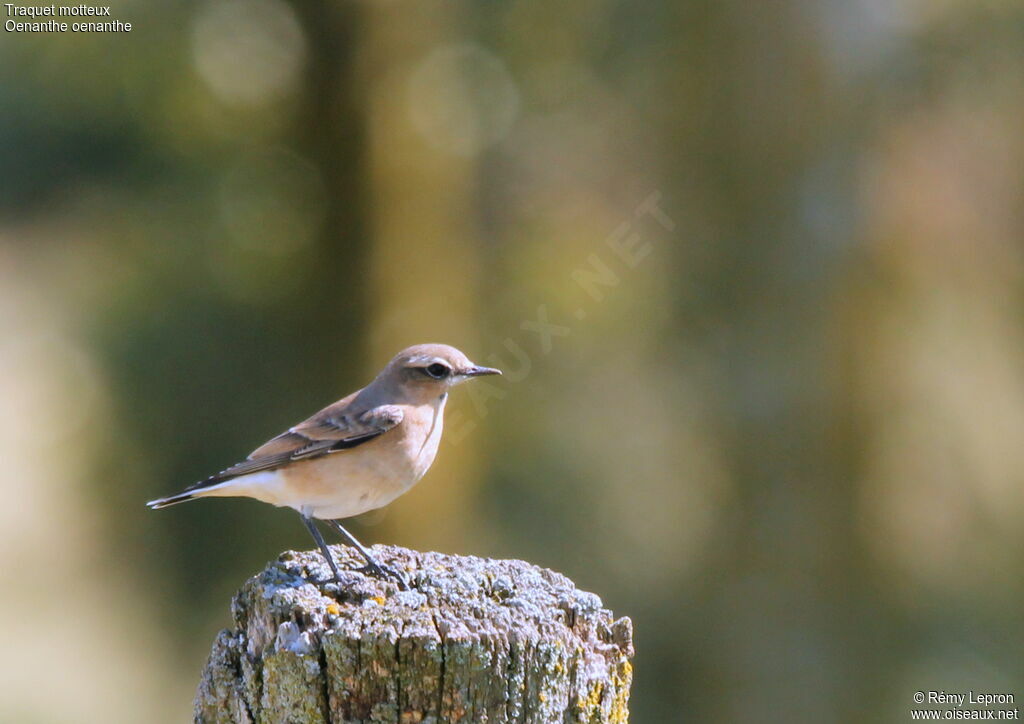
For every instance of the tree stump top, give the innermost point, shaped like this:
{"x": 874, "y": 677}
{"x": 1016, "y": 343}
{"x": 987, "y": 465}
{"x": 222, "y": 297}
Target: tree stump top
{"x": 473, "y": 640}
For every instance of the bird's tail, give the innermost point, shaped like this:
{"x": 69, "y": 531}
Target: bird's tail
{"x": 171, "y": 500}
{"x": 214, "y": 485}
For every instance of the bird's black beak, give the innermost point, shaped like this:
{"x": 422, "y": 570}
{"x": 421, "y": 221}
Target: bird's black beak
{"x": 476, "y": 371}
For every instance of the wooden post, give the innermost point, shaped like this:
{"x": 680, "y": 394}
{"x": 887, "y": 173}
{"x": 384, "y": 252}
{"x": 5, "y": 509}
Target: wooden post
{"x": 473, "y": 640}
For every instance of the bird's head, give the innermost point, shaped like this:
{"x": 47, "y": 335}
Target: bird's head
{"x": 427, "y": 371}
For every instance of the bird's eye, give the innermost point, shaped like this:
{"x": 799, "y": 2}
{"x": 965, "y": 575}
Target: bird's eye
{"x": 437, "y": 370}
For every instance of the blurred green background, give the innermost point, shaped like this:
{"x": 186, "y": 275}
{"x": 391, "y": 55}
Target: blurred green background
{"x": 778, "y": 421}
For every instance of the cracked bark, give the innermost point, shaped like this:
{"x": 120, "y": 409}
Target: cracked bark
{"x": 474, "y": 640}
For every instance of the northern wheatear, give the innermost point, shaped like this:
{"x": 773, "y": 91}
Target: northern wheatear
{"x": 358, "y": 454}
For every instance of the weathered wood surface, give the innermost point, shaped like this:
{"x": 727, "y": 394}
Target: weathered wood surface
{"x": 473, "y": 640}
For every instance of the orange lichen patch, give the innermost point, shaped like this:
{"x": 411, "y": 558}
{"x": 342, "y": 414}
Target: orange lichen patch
{"x": 334, "y": 609}
{"x": 589, "y": 707}
{"x": 589, "y": 704}
{"x": 620, "y": 704}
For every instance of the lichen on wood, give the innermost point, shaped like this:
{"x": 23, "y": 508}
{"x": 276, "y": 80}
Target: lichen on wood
{"x": 472, "y": 640}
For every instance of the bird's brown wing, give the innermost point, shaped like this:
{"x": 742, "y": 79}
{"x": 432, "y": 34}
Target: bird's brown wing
{"x": 331, "y": 430}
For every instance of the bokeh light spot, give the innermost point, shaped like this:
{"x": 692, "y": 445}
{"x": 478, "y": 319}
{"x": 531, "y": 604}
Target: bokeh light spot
{"x": 248, "y": 53}
{"x": 462, "y": 99}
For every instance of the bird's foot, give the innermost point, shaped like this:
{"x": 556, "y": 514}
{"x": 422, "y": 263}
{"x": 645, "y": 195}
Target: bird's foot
{"x": 379, "y": 570}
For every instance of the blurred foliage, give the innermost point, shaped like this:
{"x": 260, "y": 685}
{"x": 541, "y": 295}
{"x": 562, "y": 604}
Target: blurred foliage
{"x": 777, "y": 420}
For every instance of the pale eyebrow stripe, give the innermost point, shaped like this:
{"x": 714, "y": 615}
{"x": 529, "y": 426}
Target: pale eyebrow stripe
{"x": 428, "y": 361}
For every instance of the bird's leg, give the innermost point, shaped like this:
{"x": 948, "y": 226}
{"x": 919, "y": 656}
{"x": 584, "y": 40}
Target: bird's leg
{"x": 323, "y": 546}
{"x": 372, "y": 566}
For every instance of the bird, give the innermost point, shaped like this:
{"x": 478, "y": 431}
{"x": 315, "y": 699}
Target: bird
{"x": 355, "y": 455}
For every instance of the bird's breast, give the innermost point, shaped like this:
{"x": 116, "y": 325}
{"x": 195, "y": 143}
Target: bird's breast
{"x": 371, "y": 475}
{"x": 424, "y": 437}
